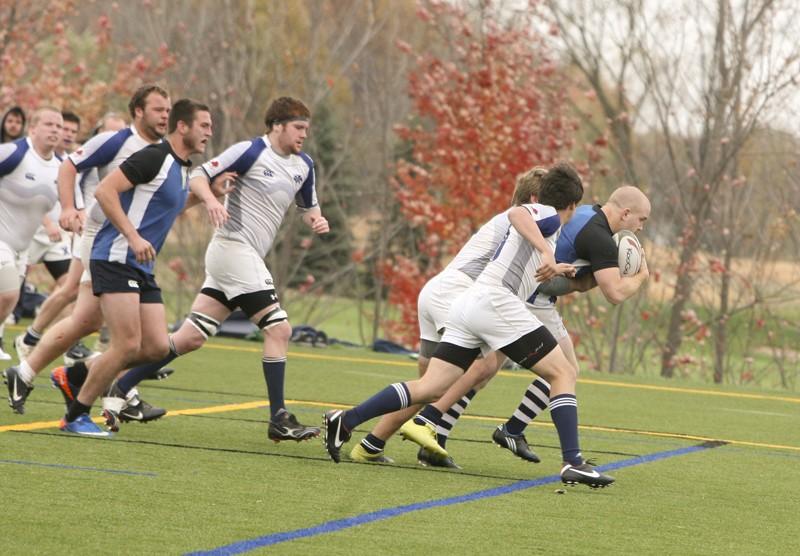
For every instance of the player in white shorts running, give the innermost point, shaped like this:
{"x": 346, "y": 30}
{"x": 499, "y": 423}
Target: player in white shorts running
{"x": 268, "y": 172}
{"x": 492, "y": 316}
{"x": 149, "y": 108}
{"x": 28, "y": 170}
{"x": 433, "y": 305}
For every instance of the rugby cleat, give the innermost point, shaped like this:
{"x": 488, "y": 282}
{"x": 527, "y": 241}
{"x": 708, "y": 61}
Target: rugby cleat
{"x": 584, "y": 474}
{"x": 284, "y": 426}
{"x": 138, "y": 410}
{"x": 426, "y": 458}
{"x": 78, "y": 352}
{"x": 3, "y": 355}
{"x": 18, "y": 390}
{"x": 514, "y": 443}
{"x": 23, "y": 349}
{"x": 60, "y": 380}
{"x": 424, "y": 435}
{"x": 335, "y": 433}
{"x": 360, "y": 454}
{"x": 84, "y": 426}
{"x": 160, "y": 374}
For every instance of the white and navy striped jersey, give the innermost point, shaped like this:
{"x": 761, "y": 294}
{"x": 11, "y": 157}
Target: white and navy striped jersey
{"x": 161, "y": 186}
{"x": 28, "y": 191}
{"x": 104, "y": 152}
{"x": 516, "y": 261}
{"x": 479, "y": 250}
{"x": 266, "y": 184}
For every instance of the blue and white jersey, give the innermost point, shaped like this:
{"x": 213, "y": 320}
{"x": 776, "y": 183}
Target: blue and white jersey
{"x": 267, "y": 183}
{"x": 516, "y": 261}
{"x": 104, "y": 152}
{"x": 86, "y": 183}
{"x": 161, "y": 186}
{"x": 28, "y": 191}
{"x": 481, "y": 247}
{"x": 587, "y": 241}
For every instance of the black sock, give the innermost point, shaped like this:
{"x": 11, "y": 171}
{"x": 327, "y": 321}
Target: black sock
{"x": 77, "y": 373}
{"x": 372, "y": 444}
{"x": 76, "y": 409}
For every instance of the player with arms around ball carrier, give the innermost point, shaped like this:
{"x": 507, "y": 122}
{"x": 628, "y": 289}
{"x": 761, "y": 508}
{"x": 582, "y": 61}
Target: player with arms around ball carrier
{"x": 268, "y": 172}
{"x": 586, "y": 241}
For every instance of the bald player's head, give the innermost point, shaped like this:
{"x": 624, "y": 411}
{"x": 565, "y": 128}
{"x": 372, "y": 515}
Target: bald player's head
{"x": 631, "y": 208}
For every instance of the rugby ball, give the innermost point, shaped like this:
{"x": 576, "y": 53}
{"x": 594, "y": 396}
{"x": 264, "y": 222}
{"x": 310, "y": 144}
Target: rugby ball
{"x": 629, "y": 255}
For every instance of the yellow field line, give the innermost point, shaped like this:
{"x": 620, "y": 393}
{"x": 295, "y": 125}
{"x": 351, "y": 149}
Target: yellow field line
{"x": 260, "y": 404}
{"x": 698, "y": 391}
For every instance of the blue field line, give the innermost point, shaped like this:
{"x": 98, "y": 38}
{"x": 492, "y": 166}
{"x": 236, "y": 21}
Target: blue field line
{"x": 79, "y": 468}
{"x": 348, "y": 522}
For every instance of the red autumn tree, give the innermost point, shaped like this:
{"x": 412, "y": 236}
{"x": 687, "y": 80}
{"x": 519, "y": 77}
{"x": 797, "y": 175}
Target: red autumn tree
{"x": 489, "y": 107}
{"x": 46, "y": 57}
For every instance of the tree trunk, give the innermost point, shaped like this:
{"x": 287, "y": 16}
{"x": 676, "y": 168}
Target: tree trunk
{"x": 721, "y": 336}
{"x": 682, "y": 294}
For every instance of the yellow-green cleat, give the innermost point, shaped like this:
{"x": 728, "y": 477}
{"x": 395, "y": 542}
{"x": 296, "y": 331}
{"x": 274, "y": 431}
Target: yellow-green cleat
{"x": 424, "y": 435}
{"x": 358, "y": 453}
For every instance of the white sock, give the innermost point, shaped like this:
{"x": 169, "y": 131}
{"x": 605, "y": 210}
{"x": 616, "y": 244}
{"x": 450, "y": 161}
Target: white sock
{"x": 26, "y": 373}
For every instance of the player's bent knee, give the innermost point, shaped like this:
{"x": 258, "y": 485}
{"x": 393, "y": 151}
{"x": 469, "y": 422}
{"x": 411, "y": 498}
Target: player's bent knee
{"x": 204, "y": 325}
{"x": 277, "y": 319}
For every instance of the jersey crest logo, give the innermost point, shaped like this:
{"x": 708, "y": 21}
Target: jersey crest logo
{"x": 269, "y": 173}
{"x": 298, "y": 179}
{"x": 30, "y": 176}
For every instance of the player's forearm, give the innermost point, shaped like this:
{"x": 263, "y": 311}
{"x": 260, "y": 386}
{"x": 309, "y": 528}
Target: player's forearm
{"x": 108, "y": 199}
{"x": 200, "y": 187}
{"x": 310, "y": 215}
{"x": 66, "y": 184}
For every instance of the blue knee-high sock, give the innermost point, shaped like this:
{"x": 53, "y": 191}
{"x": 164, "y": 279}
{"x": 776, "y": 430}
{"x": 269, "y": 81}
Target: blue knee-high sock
{"x": 564, "y": 413}
{"x": 428, "y": 416}
{"x": 138, "y": 374}
{"x": 389, "y": 399}
{"x": 274, "y": 373}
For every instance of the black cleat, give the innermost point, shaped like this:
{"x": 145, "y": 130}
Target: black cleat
{"x": 335, "y": 433}
{"x": 140, "y": 411}
{"x": 161, "y": 374}
{"x": 18, "y": 390}
{"x": 516, "y": 444}
{"x": 78, "y": 352}
{"x": 286, "y": 427}
{"x": 584, "y": 474}
{"x": 427, "y": 458}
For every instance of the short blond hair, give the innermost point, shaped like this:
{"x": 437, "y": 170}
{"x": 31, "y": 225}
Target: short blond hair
{"x": 39, "y": 111}
{"x": 528, "y": 184}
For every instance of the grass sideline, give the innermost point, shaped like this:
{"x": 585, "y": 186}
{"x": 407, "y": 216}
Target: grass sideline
{"x": 206, "y": 476}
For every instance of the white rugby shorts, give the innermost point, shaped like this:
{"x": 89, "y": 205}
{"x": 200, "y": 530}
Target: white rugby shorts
{"x": 235, "y": 268}
{"x": 488, "y": 317}
{"x": 12, "y": 268}
{"x": 42, "y": 249}
{"x": 85, "y": 249}
{"x": 435, "y": 299}
{"x": 551, "y": 318}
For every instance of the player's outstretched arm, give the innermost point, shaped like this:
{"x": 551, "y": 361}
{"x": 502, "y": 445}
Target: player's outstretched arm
{"x": 561, "y": 285}
{"x": 524, "y": 223}
{"x": 207, "y": 193}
